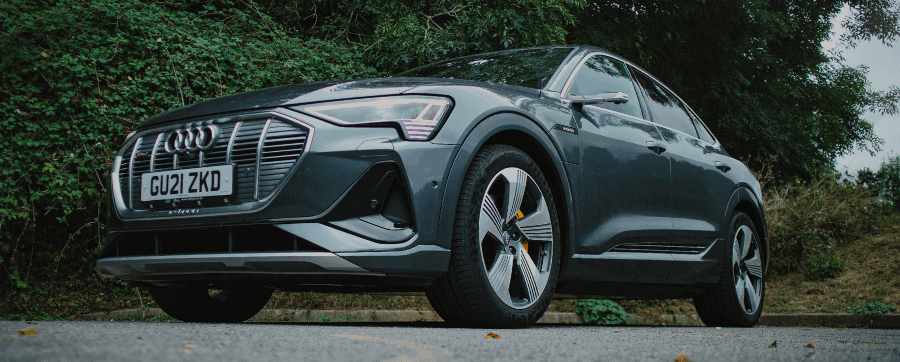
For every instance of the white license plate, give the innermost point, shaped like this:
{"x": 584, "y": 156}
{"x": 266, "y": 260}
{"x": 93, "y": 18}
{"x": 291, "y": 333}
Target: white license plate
{"x": 188, "y": 183}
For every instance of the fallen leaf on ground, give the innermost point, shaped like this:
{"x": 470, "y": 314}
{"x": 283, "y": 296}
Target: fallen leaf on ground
{"x": 809, "y": 345}
{"x": 844, "y": 341}
{"x": 30, "y": 322}
{"x": 774, "y": 344}
{"x": 682, "y": 358}
{"x": 26, "y": 332}
{"x": 492, "y": 335}
{"x": 190, "y": 346}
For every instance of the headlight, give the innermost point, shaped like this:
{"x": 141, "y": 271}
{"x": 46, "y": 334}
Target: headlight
{"x": 416, "y": 116}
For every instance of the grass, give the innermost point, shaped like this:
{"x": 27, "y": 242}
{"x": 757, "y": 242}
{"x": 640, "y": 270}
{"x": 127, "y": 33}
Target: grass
{"x": 333, "y": 301}
{"x": 871, "y": 274}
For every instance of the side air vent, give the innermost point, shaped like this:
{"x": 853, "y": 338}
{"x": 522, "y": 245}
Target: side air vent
{"x": 651, "y": 247}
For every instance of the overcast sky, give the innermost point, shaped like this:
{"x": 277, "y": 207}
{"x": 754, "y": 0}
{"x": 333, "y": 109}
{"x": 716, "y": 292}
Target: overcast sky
{"x": 884, "y": 71}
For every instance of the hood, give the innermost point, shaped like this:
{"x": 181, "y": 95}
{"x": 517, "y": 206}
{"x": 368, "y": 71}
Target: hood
{"x": 308, "y": 93}
{"x": 287, "y": 95}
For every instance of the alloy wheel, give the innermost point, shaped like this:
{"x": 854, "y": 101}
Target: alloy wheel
{"x": 747, "y": 269}
{"x": 515, "y": 238}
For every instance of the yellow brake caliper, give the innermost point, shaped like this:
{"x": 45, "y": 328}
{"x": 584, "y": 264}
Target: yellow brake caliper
{"x": 519, "y": 215}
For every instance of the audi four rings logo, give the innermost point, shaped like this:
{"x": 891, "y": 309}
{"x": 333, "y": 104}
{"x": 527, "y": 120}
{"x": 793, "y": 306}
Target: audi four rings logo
{"x": 192, "y": 139}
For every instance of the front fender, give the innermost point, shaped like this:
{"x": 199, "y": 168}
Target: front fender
{"x": 474, "y": 141}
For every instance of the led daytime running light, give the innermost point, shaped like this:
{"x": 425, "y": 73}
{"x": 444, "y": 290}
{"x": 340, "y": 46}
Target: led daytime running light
{"x": 418, "y": 116}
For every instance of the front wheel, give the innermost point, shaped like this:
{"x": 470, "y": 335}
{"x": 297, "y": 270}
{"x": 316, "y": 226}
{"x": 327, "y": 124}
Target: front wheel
{"x": 506, "y": 247}
{"x": 199, "y": 305}
{"x": 737, "y": 300}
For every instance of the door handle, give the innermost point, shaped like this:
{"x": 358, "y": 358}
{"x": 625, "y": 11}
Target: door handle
{"x": 722, "y": 166}
{"x": 656, "y": 147}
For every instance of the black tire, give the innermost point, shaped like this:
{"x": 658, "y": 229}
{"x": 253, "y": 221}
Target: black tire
{"x": 724, "y": 305}
{"x": 465, "y": 296}
{"x": 197, "y": 305}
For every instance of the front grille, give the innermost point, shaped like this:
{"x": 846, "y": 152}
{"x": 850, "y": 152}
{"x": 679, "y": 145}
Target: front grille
{"x": 262, "y": 148}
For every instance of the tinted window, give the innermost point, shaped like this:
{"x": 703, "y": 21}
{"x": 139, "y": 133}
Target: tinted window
{"x": 600, "y": 74}
{"x": 527, "y": 68}
{"x": 705, "y": 135}
{"x": 665, "y": 108}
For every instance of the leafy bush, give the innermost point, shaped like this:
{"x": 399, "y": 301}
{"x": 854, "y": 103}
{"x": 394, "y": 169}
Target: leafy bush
{"x": 872, "y": 308}
{"x": 819, "y": 259}
{"x": 601, "y": 311}
{"x": 807, "y": 220}
{"x": 77, "y": 75}
{"x": 885, "y": 183}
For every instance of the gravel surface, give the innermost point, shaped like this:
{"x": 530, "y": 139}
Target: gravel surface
{"x": 162, "y": 341}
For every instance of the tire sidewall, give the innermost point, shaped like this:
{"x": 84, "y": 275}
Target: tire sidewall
{"x": 499, "y": 159}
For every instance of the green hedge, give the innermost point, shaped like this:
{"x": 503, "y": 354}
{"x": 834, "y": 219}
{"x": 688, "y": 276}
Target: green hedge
{"x": 76, "y": 76}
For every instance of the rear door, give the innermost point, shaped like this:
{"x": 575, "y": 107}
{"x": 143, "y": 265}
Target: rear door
{"x": 701, "y": 184}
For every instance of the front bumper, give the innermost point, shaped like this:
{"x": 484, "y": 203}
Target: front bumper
{"x": 360, "y": 208}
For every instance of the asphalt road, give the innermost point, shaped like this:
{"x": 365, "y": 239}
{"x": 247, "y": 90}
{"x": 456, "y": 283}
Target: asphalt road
{"x": 161, "y": 341}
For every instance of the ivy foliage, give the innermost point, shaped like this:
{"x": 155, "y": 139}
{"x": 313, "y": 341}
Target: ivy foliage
{"x": 601, "y": 311}
{"x": 76, "y": 76}
{"x": 403, "y": 34}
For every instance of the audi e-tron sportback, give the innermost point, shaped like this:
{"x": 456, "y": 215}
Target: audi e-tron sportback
{"x": 488, "y": 182}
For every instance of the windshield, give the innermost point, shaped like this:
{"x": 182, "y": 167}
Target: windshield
{"x": 527, "y": 67}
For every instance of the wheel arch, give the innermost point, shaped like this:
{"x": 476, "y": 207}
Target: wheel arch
{"x": 744, "y": 200}
{"x": 525, "y": 134}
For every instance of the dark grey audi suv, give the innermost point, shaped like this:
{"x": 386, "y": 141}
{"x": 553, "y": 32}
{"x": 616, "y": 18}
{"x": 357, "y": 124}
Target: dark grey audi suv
{"x": 489, "y": 182}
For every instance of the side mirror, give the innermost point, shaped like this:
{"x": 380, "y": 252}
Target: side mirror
{"x": 614, "y": 97}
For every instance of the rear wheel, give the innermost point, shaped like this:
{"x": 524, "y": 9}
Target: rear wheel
{"x": 737, "y": 300}
{"x": 199, "y": 305}
{"x": 506, "y": 247}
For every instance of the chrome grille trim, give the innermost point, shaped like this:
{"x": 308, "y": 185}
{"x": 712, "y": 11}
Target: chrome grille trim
{"x": 249, "y": 148}
{"x": 137, "y": 145}
{"x": 234, "y": 132}
{"x": 153, "y": 153}
{"x": 259, "y": 147}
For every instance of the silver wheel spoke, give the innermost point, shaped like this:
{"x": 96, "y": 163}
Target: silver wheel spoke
{"x": 745, "y": 240}
{"x": 754, "y": 266}
{"x": 736, "y": 255}
{"x": 489, "y": 220}
{"x": 530, "y": 276}
{"x": 741, "y": 289}
{"x": 536, "y": 226}
{"x": 751, "y": 294}
{"x": 517, "y": 181}
{"x": 500, "y": 275}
